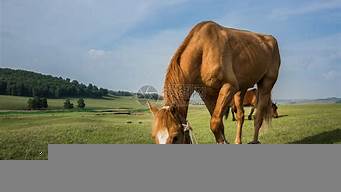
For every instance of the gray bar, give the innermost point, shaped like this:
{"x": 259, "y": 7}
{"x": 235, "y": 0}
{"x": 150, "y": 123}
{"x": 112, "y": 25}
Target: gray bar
{"x": 178, "y": 168}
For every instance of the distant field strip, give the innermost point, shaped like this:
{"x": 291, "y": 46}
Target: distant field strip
{"x": 20, "y": 103}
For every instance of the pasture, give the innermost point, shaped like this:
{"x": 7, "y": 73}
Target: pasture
{"x": 26, "y": 134}
{"x": 112, "y": 102}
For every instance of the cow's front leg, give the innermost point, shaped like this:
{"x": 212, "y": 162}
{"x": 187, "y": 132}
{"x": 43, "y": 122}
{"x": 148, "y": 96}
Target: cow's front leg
{"x": 225, "y": 96}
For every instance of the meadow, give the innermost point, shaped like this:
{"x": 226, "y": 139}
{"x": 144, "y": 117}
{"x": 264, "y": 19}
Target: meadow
{"x": 112, "y": 102}
{"x": 26, "y": 134}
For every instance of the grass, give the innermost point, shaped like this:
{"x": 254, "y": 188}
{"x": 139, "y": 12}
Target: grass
{"x": 26, "y": 134}
{"x": 20, "y": 103}
{"x": 314, "y": 123}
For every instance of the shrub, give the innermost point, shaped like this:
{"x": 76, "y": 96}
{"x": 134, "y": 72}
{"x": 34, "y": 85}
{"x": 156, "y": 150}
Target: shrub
{"x": 44, "y": 103}
{"x": 81, "y": 103}
{"x": 37, "y": 103}
{"x": 30, "y": 105}
{"x": 68, "y": 104}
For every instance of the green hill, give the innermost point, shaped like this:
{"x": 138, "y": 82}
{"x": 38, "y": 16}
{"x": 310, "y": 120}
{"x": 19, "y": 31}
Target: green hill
{"x": 27, "y": 83}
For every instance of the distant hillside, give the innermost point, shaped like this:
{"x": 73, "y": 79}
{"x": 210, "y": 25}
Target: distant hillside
{"x": 301, "y": 101}
{"x": 27, "y": 83}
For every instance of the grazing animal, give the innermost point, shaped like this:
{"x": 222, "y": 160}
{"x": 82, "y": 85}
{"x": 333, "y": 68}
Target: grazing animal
{"x": 217, "y": 62}
{"x": 250, "y": 100}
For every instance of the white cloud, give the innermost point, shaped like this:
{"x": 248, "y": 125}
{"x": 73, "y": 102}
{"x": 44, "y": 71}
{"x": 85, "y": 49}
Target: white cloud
{"x": 98, "y": 54}
{"x": 73, "y": 23}
{"x": 307, "y": 8}
{"x": 314, "y": 54}
{"x": 76, "y": 39}
{"x": 135, "y": 62}
{"x": 332, "y": 75}
{"x": 310, "y": 69}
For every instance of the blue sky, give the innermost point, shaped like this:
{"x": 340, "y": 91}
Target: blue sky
{"x": 127, "y": 44}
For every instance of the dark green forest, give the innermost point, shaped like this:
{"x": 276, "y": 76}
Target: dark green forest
{"x": 27, "y": 83}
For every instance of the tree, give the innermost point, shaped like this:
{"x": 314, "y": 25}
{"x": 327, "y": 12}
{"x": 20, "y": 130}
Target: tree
{"x": 37, "y": 103}
{"x": 75, "y": 82}
{"x": 103, "y": 92}
{"x": 30, "y": 104}
{"x": 81, "y": 103}
{"x": 3, "y": 86}
{"x": 68, "y": 104}
{"x": 19, "y": 89}
{"x": 44, "y": 103}
{"x": 57, "y": 93}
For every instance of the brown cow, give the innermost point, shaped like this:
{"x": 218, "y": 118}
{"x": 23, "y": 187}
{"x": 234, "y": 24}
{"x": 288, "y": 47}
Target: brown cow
{"x": 221, "y": 61}
{"x": 250, "y": 100}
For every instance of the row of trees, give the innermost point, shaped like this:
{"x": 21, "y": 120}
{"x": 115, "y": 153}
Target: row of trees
{"x": 41, "y": 103}
{"x": 153, "y": 96}
{"x": 121, "y": 93}
{"x": 31, "y": 84}
{"x": 26, "y": 83}
{"x": 69, "y": 105}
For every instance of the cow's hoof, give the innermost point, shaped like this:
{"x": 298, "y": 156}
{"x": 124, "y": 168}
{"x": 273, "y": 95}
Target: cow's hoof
{"x": 254, "y": 142}
{"x": 249, "y": 118}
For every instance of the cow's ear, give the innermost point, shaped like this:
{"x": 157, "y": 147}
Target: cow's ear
{"x": 152, "y": 108}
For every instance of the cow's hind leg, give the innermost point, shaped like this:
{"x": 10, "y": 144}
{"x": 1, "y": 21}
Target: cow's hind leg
{"x": 263, "y": 105}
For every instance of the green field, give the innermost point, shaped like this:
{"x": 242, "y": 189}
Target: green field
{"x": 26, "y": 134}
{"x": 20, "y": 103}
